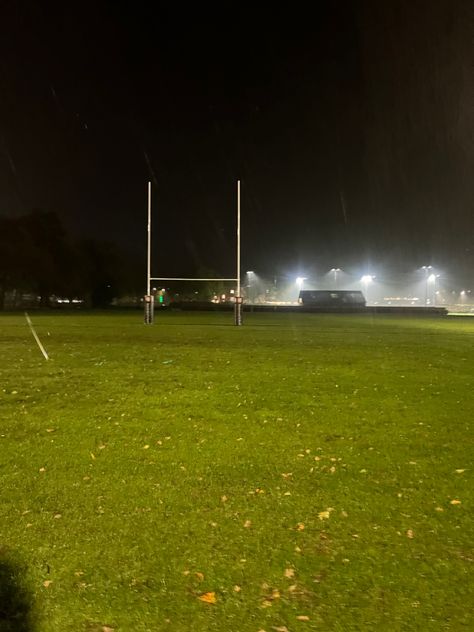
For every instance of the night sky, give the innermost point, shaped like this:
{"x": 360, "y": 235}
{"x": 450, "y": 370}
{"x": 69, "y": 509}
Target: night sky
{"x": 350, "y": 126}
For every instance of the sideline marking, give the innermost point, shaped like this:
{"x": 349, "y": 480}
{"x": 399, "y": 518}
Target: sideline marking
{"x": 42, "y": 349}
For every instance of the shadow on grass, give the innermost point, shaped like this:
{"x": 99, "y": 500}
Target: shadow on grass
{"x": 16, "y": 612}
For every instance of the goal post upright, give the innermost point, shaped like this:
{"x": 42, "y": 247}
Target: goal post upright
{"x": 148, "y": 301}
{"x": 148, "y": 260}
{"x": 238, "y": 298}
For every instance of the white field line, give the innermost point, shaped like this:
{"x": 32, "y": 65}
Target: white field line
{"x": 35, "y": 335}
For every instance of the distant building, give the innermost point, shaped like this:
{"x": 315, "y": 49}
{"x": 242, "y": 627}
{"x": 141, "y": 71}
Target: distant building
{"x": 332, "y": 298}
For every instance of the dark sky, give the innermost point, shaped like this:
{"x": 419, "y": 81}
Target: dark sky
{"x": 350, "y": 126}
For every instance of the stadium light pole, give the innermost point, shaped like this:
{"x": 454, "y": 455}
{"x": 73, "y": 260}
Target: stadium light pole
{"x": 432, "y": 279}
{"x": 300, "y": 282}
{"x": 250, "y": 286}
{"x": 427, "y": 274}
{"x": 335, "y": 270}
{"x": 366, "y": 280}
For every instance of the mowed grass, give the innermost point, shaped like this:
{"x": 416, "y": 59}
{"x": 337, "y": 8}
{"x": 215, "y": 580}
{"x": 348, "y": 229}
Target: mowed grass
{"x": 314, "y": 472}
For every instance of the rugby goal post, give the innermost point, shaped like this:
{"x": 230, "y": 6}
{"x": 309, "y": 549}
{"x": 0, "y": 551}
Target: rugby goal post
{"x": 149, "y": 299}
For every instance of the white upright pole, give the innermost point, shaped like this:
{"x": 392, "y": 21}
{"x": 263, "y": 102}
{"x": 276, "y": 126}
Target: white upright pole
{"x": 238, "y": 298}
{"x": 238, "y": 238}
{"x": 148, "y": 265}
{"x": 149, "y": 306}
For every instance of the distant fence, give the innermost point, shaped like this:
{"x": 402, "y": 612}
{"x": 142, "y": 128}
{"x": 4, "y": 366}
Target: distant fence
{"x": 226, "y": 307}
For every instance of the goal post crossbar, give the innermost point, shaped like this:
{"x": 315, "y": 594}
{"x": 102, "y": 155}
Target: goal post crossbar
{"x": 187, "y": 279}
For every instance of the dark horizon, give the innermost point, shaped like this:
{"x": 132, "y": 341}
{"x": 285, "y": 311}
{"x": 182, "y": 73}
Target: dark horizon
{"x": 352, "y": 134}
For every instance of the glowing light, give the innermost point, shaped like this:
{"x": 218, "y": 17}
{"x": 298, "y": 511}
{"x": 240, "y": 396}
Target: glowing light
{"x": 300, "y": 281}
{"x": 367, "y": 278}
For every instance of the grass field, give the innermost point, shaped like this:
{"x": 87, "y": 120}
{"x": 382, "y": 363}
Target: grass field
{"x": 302, "y": 472}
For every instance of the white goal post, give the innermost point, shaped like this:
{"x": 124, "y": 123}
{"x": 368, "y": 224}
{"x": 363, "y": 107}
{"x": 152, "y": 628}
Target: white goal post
{"x": 148, "y": 299}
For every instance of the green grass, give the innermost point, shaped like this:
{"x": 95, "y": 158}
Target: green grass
{"x": 140, "y": 457}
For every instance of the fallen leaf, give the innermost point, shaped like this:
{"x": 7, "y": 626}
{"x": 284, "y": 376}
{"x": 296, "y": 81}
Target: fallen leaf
{"x": 302, "y": 617}
{"x": 455, "y": 501}
{"x": 289, "y": 572}
{"x": 107, "y": 628}
{"x": 237, "y": 589}
{"x": 92, "y": 456}
{"x": 47, "y": 583}
{"x": 209, "y": 597}
{"x": 266, "y": 603}
{"x": 42, "y": 469}
{"x": 224, "y": 499}
{"x": 50, "y": 429}
{"x": 460, "y": 471}
{"x": 324, "y": 515}
{"x": 280, "y": 628}
{"x": 300, "y": 526}
{"x": 410, "y": 534}
{"x": 439, "y": 509}
{"x": 275, "y": 594}
{"x": 146, "y": 447}
{"x": 247, "y": 523}
{"x": 200, "y": 576}
{"x": 57, "y": 516}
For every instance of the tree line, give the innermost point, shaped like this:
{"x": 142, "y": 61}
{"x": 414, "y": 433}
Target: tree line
{"x": 39, "y": 257}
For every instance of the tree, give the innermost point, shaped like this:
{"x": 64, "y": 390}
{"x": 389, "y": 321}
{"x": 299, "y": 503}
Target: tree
{"x": 11, "y": 256}
{"x": 48, "y": 255}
